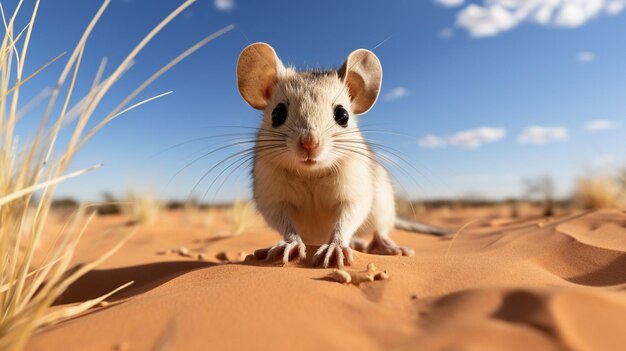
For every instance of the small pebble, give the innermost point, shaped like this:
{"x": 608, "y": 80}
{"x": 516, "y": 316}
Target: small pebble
{"x": 231, "y": 257}
{"x": 371, "y": 268}
{"x": 183, "y": 251}
{"x": 222, "y": 256}
{"x": 104, "y": 304}
{"x": 162, "y": 252}
{"x": 124, "y": 346}
{"x": 381, "y": 275}
{"x": 414, "y": 297}
{"x": 341, "y": 276}
{"x": 241, "y": 256}
{"x": 201, "y": 256}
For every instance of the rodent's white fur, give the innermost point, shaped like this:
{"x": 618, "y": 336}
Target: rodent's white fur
{"x": 346, "y": 193}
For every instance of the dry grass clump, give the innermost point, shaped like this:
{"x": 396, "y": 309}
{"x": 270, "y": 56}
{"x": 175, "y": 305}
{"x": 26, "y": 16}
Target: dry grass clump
{"x": 600, "y": 192}
{"x": 195, "y": 215}
{"x": 141, "y": 208}
{"x": 31, "y": 280}
{"x": 243, "y": 217}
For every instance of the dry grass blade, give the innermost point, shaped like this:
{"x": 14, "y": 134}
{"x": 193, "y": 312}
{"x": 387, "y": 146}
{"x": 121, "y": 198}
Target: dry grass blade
{"x": 32, "y": 75}
{"x": 28, "y": 178}
{"x": 31, "y": 189}
{"x": 458, "y": 232}
{"x": 80, "y": 308}
{"x": 152, "y": 78}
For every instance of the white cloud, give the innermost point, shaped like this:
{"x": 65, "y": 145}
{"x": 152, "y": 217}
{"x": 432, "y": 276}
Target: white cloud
{"x": 432, "y": 142}
{"x": 486, "y": 21}
{"x": 446, "y": 33}
{"x": 542, "y": 135}
{"x": 396, "y": 93}
{"x": 473, "y": 138}
{"x": 450, "y": 3}
{"x": 605, "y": 161}
{"x": 600, "y": 124}
{"x": 615, "y": 7}
{"x": 225, "y": 5}
{"x": 585, "y": 56}
{"x": 467, "y": 139}
{"x": 492, "y": 17}
{"x": 574, "y": 13}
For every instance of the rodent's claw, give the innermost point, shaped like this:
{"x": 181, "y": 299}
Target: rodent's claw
{"x": 327, "y": 252}
{"x": 285, "y": 251}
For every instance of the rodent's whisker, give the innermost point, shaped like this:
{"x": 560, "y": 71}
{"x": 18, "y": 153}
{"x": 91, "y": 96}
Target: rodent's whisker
{"x": 250, "y": 136}
{"x": 340, "y": 137}
{"x": 291, "y": 127}
{"x": 179, "y": 145}
{"x": 402, "y": 157}
{"x": 247, "y": 127}
{"x": 375, "y": 131}
{"x": 237, "y": 157}
{"x": 395, "y": 152}
{"x": 243, "y": 142}
{"x": 329, "y": 124}
{"x": 361, "y": 152}
{"x": 397, "y": 182}
{"x": 245, "y": 159}
{"x": 237, "y": 154}
{"x": 347, "y": 152}
{"x": 240, "y": 161}
{"x": 365, "y": 148}
{"x": 238, "y": 143}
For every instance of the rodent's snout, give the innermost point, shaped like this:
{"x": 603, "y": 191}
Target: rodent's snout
{"x": 309, "y": 142}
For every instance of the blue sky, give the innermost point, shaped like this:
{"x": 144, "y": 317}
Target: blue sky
{"x": 485, "y": 93}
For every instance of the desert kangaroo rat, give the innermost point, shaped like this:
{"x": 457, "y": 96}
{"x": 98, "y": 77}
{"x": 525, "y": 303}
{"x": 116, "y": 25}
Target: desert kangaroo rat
{"x": 315, "y": 179}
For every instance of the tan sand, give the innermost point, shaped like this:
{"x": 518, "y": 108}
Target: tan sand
{"x": 531, "y": 284}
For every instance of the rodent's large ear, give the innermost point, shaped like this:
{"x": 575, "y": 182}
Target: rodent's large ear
{"x": 258, "y": 69}
{"x": 363, "y": 75}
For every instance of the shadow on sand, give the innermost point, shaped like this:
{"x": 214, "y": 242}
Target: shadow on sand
{"x": 146, "y": 277}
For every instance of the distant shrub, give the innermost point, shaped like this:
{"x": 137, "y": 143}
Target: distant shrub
{"x": 600, "y": 192}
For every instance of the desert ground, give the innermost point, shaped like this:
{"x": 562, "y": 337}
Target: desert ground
{"x": 526, "y": 283}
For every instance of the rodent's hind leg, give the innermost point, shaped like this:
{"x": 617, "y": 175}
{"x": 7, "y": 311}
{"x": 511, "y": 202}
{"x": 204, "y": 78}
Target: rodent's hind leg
{"x": 383, "y": 245}
{"x": 285, "y": 250}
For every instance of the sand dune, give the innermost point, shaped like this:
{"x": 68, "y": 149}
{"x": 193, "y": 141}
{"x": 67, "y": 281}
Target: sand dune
{"x": 519, "y": 285}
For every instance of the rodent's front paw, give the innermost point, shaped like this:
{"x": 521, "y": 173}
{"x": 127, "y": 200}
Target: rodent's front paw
{"x": 285, "y": 251}
{"x": 333, "y": 251}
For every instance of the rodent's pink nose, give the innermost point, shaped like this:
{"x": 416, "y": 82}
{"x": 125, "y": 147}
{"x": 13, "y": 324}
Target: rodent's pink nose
{"x": 309, "y": 142}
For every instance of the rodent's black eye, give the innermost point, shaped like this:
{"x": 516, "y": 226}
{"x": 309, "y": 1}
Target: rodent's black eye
{"x": 341, "y": 116}
{"x": 279, "y": 115}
